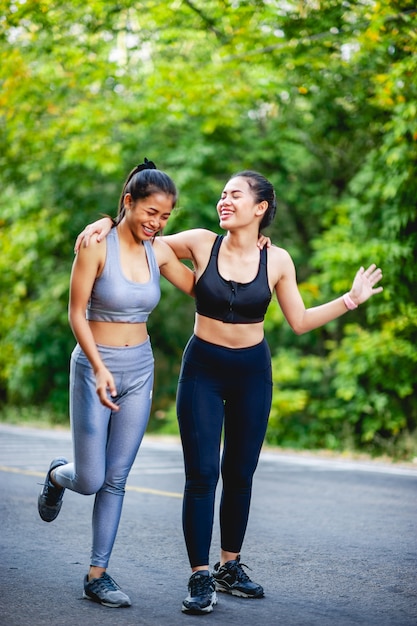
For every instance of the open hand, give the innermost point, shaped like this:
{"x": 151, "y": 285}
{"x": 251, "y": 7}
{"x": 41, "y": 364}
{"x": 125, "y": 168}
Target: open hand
{"x": 363, "y": 286}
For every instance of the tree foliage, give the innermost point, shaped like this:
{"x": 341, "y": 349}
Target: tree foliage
{"x": 320, "y": 96}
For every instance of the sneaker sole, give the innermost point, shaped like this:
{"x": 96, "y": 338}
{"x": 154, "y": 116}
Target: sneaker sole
{"x": 187, "y": 611}
{"x": 196, "y": 611}
{"x": 237, "y": 593}
{"x": 103, "y": 603}
{"x": 49, "y": 513}
{"x": 48, "y": 516}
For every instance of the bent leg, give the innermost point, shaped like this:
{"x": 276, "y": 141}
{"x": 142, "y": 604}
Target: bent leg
{"x": 89, "y": 423}
{"x": 125, "y": 433}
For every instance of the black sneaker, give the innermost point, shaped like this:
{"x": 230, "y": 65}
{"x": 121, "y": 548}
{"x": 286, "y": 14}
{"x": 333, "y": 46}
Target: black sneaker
{"x": 201, "y": 594}
{"x": 105, "y": 591}
{"x": 231, "y": 578}
{"x": 50, "y": 497}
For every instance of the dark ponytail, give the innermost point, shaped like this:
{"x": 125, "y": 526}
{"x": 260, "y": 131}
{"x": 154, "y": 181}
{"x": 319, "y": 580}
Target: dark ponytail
{"x": 143, "y": 181}
{"x": 262, "y": 189}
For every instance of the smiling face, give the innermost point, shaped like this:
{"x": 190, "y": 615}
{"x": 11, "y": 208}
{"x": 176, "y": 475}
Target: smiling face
{"x": 237, "y": 206}
{"x": 147, "y": 216}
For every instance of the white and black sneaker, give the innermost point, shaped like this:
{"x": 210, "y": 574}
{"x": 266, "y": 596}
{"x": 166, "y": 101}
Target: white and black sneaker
{"x": 201, "y": 594}
{"x": 231, "y": 578}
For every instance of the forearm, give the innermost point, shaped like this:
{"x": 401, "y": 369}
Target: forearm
{"x": 303, "y": 320}
{"x": 105, "y": 386}
{"x": 84, "y": 336}
{"x": 317, "y": 316}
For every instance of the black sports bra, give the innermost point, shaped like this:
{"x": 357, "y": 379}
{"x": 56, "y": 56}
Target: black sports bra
{"x": 229, "y": 301}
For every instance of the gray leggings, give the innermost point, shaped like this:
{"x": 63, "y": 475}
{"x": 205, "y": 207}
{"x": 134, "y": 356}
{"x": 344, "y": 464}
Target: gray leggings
{"x": 106, "y": 442}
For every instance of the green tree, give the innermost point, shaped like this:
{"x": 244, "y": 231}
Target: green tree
{"x": 366, "y": 369}
{"x": 319, "y": 96}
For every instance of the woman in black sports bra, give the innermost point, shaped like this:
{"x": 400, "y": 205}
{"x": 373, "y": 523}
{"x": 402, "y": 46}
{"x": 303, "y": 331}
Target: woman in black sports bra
{"x": 225, "y": 380}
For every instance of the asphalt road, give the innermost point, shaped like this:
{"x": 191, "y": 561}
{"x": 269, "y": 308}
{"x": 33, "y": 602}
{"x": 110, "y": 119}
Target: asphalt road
{"x": 333, "y": 542}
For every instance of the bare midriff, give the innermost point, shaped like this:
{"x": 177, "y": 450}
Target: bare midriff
{"x": 118, "y": 334}
{"x": 228, "y": 335}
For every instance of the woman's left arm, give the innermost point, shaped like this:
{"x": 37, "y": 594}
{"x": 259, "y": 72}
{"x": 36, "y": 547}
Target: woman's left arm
{"x": 303, "y": 320}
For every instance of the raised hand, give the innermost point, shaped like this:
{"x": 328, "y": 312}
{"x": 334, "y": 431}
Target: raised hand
{"x": 363, "y": 286}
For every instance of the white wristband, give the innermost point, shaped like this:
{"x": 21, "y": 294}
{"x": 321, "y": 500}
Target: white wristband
{"x": 350, "y": 305}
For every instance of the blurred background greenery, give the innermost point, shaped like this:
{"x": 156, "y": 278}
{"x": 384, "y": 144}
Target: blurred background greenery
{"x": 319, "y": 96}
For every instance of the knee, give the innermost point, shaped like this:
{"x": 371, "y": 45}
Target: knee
{"x": 115, "y": 480}
{"x": 237, "y": 479}
{"x": 89, "y": 485}
{"x": 116, "y": 487}
{"x": 202, "y": 482}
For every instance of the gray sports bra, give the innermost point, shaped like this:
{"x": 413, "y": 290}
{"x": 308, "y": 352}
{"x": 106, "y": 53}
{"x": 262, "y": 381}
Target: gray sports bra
{"x": 114, "y": 298}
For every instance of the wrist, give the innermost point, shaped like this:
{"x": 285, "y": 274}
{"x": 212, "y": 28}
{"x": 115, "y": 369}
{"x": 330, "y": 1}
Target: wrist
{"x": 349, "y": 302}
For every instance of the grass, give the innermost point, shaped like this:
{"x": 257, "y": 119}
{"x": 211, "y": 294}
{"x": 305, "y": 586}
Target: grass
{"x": 165, "y": 423}
{"x": 33, "y": 417}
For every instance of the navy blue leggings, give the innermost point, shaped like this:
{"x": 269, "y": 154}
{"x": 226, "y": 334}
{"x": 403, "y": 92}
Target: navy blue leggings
{"x": 221, "y": 386}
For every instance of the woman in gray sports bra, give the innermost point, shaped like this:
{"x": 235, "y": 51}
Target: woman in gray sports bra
{"x": 225, "y": 380}
{"x": 114, "y": 288}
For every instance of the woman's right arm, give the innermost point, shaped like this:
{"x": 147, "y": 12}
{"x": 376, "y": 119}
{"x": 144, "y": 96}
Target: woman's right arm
{"x": 191, "y": 244}
{"x": 85, "y": 269}
{"x": 101, "y": 227}
{"x": 186, "y": 244}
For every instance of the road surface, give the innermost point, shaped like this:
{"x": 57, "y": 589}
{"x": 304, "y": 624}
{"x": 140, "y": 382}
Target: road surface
{"x": 333, "y": 542}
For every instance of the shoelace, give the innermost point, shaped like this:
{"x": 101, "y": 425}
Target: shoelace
{"x": 106, "y": 583}
{"x": 239, "y": 572}
{"x": 53, "y": 494}
{"x": 200, "y": 585}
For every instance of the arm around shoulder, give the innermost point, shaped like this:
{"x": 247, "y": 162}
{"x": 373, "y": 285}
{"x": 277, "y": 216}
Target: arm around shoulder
{"x": 173, "y": 269}
{"x": 187, "y": 243}
{"x": 102, "y": 227}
